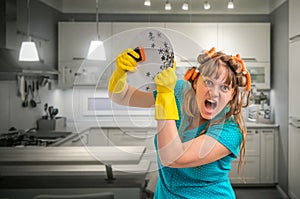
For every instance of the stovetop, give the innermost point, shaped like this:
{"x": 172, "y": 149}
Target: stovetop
{"x": 30, "y": 137}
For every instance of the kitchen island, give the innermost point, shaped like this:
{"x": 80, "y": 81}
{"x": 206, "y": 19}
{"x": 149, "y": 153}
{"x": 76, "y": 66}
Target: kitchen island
{"x": 30, "y": 171}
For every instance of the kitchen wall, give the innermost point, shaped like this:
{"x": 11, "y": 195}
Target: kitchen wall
{"x": 279, "y": 93}
{"x": 43, "y": 28}
{"x": 44, "y": 25}
{"x": 12, "y": 112}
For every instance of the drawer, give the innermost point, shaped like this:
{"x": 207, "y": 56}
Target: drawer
{"x": 251, "y": 171}
{"x": 253, "y": 142}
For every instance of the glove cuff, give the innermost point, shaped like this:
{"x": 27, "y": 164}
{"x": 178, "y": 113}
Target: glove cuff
{"x": 165, "y": 107}
{"x": 117, "y": 81}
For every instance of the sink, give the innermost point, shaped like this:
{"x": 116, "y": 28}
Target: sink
{"x": 51, "y": 134}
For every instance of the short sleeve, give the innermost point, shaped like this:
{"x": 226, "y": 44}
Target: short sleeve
{"x": 228, "y": 134}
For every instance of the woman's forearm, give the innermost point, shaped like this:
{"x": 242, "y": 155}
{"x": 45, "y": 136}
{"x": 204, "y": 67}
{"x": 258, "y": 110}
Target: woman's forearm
{"x": 170, "y": 147}
{"x": 119, "y": 98}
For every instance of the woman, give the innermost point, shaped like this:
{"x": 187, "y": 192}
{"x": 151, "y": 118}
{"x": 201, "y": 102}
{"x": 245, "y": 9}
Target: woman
{"x": 201, "y": 127}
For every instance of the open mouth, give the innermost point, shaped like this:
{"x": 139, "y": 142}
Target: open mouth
{"x": 210, "y": 104}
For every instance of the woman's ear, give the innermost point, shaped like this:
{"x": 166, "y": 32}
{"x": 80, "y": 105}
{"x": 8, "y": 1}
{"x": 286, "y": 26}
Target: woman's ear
{"x": 195, "y": 83}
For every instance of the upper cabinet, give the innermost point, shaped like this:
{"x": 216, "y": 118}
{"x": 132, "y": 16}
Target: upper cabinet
{"x": 74, "y": 41}
{"x": 294, "y": 16}
{"x": 189, "y": 39}
{"x": 75, "y": 38}
{"x": 250, "y": 40}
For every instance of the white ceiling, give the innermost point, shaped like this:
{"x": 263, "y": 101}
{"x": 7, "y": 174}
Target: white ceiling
{"x": 157, "y": 7}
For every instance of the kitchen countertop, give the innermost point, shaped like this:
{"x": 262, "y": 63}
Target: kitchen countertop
{"x": 125, "y": 124}
{"x": 80, "y": 127}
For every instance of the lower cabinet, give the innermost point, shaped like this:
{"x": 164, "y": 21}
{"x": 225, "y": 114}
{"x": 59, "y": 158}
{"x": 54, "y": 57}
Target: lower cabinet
{"x": 134, "y": 137}
{"x": 261, "y": 158}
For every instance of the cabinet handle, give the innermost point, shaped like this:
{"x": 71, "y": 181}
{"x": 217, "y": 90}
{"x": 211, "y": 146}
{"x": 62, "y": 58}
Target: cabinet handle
{"x": 78, "y": 58}
{"x": 250, "y": 59}
{"x": 267, "y": 131}
{"x": 294, "y": 38}
{"x": 295, "y": 125}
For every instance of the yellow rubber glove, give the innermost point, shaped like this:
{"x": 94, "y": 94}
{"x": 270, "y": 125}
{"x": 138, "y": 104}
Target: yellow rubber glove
{"x": 124, "y": 62}
{"x": 165, "y": 104}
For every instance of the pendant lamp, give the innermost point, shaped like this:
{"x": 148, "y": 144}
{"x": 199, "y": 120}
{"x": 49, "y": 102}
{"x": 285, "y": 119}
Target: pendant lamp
{"x": 28, "y": 51}
{"x": 96, "y": 50}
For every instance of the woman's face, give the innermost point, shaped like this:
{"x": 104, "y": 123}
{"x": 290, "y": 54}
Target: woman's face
{"x": 213, "y": 94}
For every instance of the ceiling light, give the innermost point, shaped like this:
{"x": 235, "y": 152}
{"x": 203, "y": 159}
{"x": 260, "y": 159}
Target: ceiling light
{"x": 230, "y": 4}
{"x": 206, "y": 5}
{"x": 185, "y": 5}
{"x": 168, "y": 5}
{"x": 28, "y": 51}
{"x": 96, "y": 50}
{"x": 147, "y": 2}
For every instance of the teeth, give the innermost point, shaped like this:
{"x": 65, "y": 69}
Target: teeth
{"x": 211, "y": 101}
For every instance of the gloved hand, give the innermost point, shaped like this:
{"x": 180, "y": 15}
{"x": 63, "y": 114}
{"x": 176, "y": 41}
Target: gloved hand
{"x": 124, "y": 62}
{"x": 165, "y": 104}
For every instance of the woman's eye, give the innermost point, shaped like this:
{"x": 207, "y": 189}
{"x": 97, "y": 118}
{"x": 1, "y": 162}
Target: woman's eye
{"x": 208, "y": 82}
{"x": 224, "y": 88}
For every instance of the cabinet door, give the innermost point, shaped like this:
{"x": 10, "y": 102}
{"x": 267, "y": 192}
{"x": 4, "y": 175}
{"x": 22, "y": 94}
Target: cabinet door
{"x": 294, "y": 161}
{"x": 250, "y": 40}
{"x": 251, "y": 171}
{"x": 294, "y": 16}
{"x": 74, "y": 40}
{"x": 252, "y": 165}
{"x": 253, "y": 142}
{"x": 267, "y": 159}
{"x": 124, "y": 35}
{"x": 260, "y": 74}
{"x": 189, "y": 39}
{"x": 294, "y": 80}
{"x": 97, "y": 137}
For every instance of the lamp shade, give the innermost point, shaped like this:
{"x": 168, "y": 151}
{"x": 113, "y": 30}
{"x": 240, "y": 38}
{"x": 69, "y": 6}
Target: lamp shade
{"x": 185, "y": 6}
{"x": 28, "y": 52}
{"x": 230, "y": 5}
{"x": 96, "y": 51}
{"x": 168, "y": 6}
{"x": 147, "y": 2}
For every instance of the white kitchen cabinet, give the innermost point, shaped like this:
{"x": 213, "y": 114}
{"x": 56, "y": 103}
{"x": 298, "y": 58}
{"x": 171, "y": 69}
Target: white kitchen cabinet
{"x": 124, "y": 35}
{"x": 190, "y": 39}
{"x": 267, "y": 158}
{"x": 261, "y": 161}
{"x": 74, "y": 40}
{"x": 250, "y": 40}
{"x": 260, "y": 74}
{"x": 294, "y": 161}
{"x": 294, "y": 80}
{"x": 294, "y": 16}
{"x": 252, "y": 164}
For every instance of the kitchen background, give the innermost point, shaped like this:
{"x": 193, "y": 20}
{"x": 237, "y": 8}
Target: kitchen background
{"x": 47, "y": 15}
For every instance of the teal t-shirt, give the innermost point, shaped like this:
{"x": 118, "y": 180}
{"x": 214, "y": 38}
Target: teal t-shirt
{"x": 206, "y": 181}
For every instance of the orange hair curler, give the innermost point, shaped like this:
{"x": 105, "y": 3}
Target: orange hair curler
{"x": 245, "y": 72}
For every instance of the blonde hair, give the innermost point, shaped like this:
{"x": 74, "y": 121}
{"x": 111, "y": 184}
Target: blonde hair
{"x": 210, "y": 67}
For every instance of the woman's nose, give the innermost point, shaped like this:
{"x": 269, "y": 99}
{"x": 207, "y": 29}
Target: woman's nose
{"x": 214, "y": 91}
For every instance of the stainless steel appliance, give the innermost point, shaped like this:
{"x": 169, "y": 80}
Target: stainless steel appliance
{"x": 31, "y": 137}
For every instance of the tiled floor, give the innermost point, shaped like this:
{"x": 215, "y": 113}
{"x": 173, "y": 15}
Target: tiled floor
{"x": 257, "y": 193}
